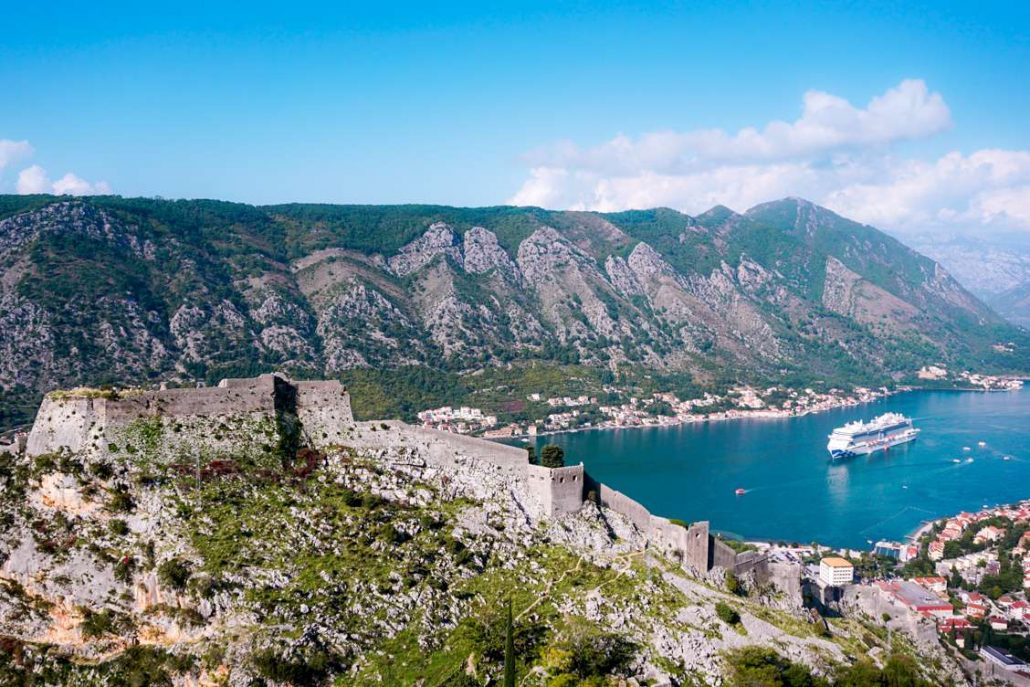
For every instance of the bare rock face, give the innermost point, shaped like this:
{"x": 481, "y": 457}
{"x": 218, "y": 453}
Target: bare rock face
{"x": 202, "y": 332}
{"x": 440, "y": 239}
{"x": 622, "y": 276}
{"x": 647, "y": 264}
{"x": 359, "y": 327}
{"x": 483, "y": 253}
{"x": 567, "y": 281}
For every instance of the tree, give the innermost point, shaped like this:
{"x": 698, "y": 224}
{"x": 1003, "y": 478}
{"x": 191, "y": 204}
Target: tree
{"x": 509, "y": 651}
{"x": 531, "y": 453}
{"x": 552, "y": 456}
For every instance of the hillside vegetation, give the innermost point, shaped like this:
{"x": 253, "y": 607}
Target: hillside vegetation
{"x": 373, "y": 567}
{"x": 110, "y": 289}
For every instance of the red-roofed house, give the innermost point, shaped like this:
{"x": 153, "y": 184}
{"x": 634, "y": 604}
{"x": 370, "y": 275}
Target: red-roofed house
{"x": 934, "y": 584}
{"x": 936, "y": 550}
{"x": 998, "y": 623}
{"x": 946, "y": 625}
{"x": 976, "y": 609}
{"x": 1020, "y": 610}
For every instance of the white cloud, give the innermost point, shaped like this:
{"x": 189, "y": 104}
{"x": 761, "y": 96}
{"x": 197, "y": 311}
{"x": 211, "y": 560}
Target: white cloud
{"x": 73, "y": 185}
{"x": 34, "y": 179}
{"x": 12, "y": 151}
{"x": 835, "y": 154}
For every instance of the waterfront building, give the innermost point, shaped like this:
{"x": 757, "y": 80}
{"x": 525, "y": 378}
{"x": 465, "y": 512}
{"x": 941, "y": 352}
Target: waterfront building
{"x": 889, "y": 549}
{"x": 1002, "y": 658}
{"x": 835, "y": 571}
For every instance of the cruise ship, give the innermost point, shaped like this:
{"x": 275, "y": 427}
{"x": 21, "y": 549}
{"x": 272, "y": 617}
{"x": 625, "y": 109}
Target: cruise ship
{"x": 880, "y": 433}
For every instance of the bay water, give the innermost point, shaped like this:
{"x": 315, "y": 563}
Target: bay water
{"x": 795, "y": 493}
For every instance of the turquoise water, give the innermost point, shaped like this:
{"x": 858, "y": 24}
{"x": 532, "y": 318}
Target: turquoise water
{"x": 794, "y": 493}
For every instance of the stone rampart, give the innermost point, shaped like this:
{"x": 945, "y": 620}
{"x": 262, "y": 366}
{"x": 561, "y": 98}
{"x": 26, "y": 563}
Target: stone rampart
{"x": 622, "y": 504}
{"x": 187, "y": 424}
{"x": 323, "y": 409}
{"x": 556, "y": 490}
{"x": 75, "y": 423}
{"x": 722, "y": 556}
{"x": 206, "y": 420}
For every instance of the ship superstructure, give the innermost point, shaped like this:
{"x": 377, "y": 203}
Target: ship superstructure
{"x": 880, "y": 433}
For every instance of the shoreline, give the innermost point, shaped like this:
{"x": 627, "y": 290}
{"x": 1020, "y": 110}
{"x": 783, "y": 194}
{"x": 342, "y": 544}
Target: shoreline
{"x": 699, "y": 419}
{"x": 744, "y": 415}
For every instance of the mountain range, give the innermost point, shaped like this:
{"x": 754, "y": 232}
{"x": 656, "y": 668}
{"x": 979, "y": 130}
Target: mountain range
{"x": 109, "y": 289}
{"x": 995, "y": 268}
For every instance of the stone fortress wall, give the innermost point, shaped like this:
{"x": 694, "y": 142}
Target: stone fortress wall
{"x": 193, "y": 420}
{"x": 209, "y": 418}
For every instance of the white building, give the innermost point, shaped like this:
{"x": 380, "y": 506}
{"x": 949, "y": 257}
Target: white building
{"x": 836, "y": 572}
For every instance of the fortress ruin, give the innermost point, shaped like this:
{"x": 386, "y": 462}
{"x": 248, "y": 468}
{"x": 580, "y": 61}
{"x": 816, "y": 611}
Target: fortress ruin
{"x": 271, "y": 414}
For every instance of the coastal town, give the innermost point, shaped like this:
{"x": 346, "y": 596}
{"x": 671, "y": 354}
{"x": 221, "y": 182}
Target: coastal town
{"x": 615, "y": 408}
{"x": 965, "y": 578}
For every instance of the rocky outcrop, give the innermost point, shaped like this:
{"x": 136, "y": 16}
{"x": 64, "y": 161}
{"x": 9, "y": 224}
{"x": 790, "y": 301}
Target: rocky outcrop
{"x": 482, "y": 253}
{"x": 439, "y": 239}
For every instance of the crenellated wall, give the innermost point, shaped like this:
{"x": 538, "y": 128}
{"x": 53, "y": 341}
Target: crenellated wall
{"x": 694, "y": 546}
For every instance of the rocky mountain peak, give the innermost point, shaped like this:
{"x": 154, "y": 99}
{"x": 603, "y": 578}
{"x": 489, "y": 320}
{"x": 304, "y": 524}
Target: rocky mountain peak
{"x": 483, "y": 253}
{"x": 439, "y": 239}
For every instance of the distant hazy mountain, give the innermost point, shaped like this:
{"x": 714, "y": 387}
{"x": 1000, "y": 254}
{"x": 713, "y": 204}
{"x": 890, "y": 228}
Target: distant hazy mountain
{"x": 110, "y": 289}
{"x": 995, "y": 268}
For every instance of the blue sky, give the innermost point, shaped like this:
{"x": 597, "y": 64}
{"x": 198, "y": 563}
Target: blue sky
{"x": 546, "y": 103}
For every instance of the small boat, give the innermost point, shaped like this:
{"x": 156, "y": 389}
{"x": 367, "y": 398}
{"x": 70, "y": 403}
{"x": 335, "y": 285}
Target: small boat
{"x": 969, "y": 460}
{"x": 1007, "y": 458}
{"x": 904, "y": 486}
{"x": 981, "y": 444}
{"x": 966, "y": 448}
{"x": 956, "y": 460}
{"x": 740, "y": 492}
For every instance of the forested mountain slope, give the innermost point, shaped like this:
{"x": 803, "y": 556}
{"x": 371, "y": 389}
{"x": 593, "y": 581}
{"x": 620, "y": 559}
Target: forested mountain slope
{"x": 110, "y": 289}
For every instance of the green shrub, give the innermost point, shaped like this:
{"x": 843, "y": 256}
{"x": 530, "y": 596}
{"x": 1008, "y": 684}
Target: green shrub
{"x": 726, "y": 613}
{"x": 308, "y": 666}
{"x": 98, "y": 624}
{"x": 118, "y": 527}
{"x": 102, "y": 470}
{"x": 174, "y": 573}
{"x": 755, "y": 666}
{"x": 733, "y": 585}
{"x": 121, "y": 501}
{"x": 596, "y": 653}
{"x": 124, "y": 569}
{"x": 488, "y": 633}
